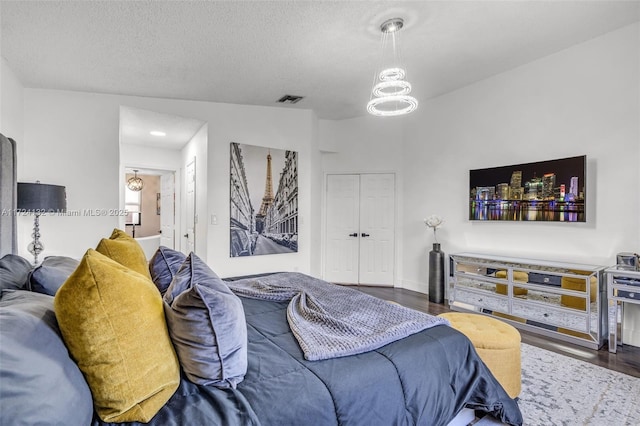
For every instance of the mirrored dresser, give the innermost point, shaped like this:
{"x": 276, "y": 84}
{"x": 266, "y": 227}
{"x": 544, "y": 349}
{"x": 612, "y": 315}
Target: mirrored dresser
{"x": 623, "y": 287}
{"x": 564, "y": 300}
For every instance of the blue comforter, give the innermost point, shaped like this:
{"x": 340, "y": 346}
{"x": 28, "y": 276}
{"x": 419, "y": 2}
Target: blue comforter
{"x": 423, "y": 379}
{"x": 331, "y": 321}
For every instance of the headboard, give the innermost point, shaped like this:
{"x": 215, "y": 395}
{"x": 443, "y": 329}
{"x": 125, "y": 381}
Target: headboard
{"x": 7, "y": 196}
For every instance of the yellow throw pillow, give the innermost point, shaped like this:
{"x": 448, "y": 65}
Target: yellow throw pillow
{"x": 126, "y": 251}
{"x": 113, "y": 324}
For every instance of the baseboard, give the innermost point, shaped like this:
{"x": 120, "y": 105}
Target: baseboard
{"x": 414, "y": 286}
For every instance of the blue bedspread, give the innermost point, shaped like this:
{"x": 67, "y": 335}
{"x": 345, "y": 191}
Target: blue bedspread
{"x": 423, "y": 379}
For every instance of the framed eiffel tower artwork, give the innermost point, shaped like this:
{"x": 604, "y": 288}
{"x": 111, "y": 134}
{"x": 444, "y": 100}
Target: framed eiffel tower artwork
{"x": 263, "y": 201}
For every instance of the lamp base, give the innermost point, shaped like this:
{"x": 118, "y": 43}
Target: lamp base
{"x": 35, "y": 247}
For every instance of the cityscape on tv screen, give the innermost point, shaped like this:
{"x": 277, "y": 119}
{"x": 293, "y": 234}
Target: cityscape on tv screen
{"x": 551, "y": 191}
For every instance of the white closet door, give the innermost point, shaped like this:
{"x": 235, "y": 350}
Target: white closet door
{"x": 342, "y": 242}
{"x": 377, "y": 219}
{"x": 360, "y": 229}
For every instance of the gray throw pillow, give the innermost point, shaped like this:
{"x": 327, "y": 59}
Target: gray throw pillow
{"x": 163, "y": 266}
{"x": 14, "y": 271}
{"x": 207, "y": 326}
{"x": 47, "y": 277}
{"x": 39, "y": 383}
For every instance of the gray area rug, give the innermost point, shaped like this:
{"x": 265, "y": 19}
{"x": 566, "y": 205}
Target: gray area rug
{"x": 559, "y": 390}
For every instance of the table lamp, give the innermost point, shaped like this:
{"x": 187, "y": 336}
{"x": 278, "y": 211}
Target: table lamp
{"x": 134, "y": 209}
{"x": 40, "y": 198}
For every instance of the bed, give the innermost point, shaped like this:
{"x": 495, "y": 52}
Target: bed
{"x": 424, "y": 379}
{"x": 427, "y": 378}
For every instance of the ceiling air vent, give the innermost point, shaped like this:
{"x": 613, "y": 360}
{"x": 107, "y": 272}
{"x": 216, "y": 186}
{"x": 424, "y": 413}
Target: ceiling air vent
{"x": 290, "y": 99}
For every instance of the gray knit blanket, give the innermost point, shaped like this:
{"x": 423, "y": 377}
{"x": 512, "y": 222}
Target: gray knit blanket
{"x": 331, "y": 321}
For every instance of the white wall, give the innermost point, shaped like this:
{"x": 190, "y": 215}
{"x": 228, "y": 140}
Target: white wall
{"x": 11, "y": 106}
{"x": 145, "y": 157}
{"x": 72, "y": 139}
{"x": 583, "y": 100}
{"x": 313, "y": 221}
{"x": 364, "y": 144}
{"x": 270, "y": 127}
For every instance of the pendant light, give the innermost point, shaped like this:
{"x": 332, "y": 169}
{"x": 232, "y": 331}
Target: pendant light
{"x": 390, "y": 91}
{"x": 135, "y": 183}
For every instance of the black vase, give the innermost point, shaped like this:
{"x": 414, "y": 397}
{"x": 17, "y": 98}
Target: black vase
{"x": 436, "y": 274}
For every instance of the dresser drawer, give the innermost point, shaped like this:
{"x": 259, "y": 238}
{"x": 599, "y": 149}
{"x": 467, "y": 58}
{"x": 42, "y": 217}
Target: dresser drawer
{"x": 547, "y": 279}
{"x": 627, "y": 281}
{"x": 628, "y": 295}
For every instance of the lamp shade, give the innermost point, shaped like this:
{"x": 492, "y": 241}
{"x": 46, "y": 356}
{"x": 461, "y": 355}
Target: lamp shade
{"x": 40, "y": 197}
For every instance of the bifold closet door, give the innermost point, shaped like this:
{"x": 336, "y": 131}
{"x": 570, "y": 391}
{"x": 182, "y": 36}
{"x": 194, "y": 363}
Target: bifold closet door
{"x": 343, "y": 227}
{"x": 377, "y": 207}
{"x": 360, "y": 229}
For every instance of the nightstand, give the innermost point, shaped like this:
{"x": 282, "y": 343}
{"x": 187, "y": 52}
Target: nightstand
{"x": 623, "y": 286}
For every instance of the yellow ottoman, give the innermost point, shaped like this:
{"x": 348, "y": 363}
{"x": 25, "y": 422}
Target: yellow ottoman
{"x": 497, "y": 343}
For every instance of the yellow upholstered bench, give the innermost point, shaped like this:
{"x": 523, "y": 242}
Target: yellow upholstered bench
{"x": 497, "y": 343}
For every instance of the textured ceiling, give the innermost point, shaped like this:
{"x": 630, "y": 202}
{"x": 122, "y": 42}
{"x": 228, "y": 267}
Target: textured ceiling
{"x": 136, "y": 125}
{"x": 253, "y": 52}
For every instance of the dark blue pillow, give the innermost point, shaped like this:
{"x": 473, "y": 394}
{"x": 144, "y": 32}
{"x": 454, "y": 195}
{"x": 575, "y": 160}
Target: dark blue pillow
{"x": 207, "y": 326}
{"x": 51, "y": 274}
{"x": 39, "y": 382}
{"x": 14, "y": 271}
{"x": 163, "y": 266}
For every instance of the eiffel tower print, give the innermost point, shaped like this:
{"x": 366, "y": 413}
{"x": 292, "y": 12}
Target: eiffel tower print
{"x": 268, "y": 178}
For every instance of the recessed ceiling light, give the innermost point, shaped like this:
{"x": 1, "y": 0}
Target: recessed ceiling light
{"x": 157, "y": 133}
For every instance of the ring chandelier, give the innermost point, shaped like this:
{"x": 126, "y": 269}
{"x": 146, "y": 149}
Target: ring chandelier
{"x": 390, "y": 92}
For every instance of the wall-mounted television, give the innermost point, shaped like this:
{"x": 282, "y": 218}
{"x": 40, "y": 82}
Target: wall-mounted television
{"x": 544, "y": 191}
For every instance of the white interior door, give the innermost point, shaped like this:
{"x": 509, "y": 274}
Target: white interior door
{"x": 190, "y": 235}
{"x": 342, "y": 243}
{"x": 377, "y": 218}
{"x": 360, "y": 229}
{"x": 167, "y": 209}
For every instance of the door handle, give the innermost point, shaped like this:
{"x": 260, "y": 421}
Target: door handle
{"x": 355, "y": 234}
{"x": 364, "y": 235}
{"x": 186, "y": 235}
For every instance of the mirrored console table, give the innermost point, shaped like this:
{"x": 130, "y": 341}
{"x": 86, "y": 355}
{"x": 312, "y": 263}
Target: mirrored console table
{"x": 563, "y": 300}
{"x": 623, "y": 287}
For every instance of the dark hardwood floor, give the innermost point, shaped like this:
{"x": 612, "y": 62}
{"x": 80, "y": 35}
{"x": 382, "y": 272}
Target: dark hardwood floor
{"x": 626, "y": 360}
